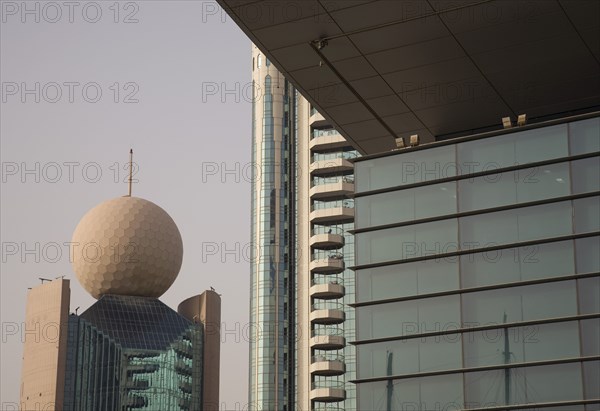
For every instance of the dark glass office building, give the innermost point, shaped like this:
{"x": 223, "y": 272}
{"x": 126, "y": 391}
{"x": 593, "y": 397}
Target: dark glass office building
{"x": 133, "y": 353}
{"x": 477, "y": 272}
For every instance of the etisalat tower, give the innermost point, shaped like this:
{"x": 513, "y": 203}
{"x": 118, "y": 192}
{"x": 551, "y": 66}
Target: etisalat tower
{"x": 128, "y": 351}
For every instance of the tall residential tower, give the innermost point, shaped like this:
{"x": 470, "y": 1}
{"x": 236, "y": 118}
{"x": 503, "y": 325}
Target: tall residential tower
{"x": 301, "y": 216}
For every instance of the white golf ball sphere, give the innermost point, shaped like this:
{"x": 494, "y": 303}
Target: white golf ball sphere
{"x": 127, "y": 246}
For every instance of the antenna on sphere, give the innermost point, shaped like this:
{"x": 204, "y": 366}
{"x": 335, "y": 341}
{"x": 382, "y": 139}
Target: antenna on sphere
{"x": 130, "y": 169}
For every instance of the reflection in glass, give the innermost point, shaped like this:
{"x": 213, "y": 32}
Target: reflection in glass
{"x": 408, "y": 317}
{"x": 532, "y": 302}
{"x": 410, "y": 356}
{"x": 492, "y": 388}
{"x": 442, "y": 392}
{"x": 128, "y": 352}
{"x": 403, "y": 280}
{"x": 524, "y": 344}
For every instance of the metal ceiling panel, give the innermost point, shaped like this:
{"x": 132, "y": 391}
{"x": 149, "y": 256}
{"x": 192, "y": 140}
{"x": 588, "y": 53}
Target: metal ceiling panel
{"x": 378, "y": 70}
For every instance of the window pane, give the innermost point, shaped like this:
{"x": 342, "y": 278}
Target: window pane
{"x": 588, "y": 257}
{"x": 560, "y": 382}
{"x": 384, "y": 208}
{"x": 591, "y": 372}
{"x": 410, "y": 356}
{"x": 517, "y": 264}
{"x": 521, "y": 224}
{"x": 403, "y": 169}
{"x": 441, "y": 392}
{"x": 520, "y": 186}
{"x": 586, "y": 175}
{"x": 590, "y": 334}
{"x": 532, "y": 302}
{"x": 547, "y": 260}
{"x": 486, "y": 192}
{"x": 406, "y": 205}
{"x": 539, "y": 183}
{"x": 435, "y": 200}
{"x": 406, "y": 242}
{"x": 589, "y": 295}
{"x": 511, "y": 149}
{"x": 408, "y": 317}
{"x": 403, "y": 280}
{"x": 533, "y": 221}
{"x": 587, "y": 214}
{"x": 584, "y": 136}
{"x": 486, "y": 154}
{"x": 525, "y": 344}
{"x": 541, "y": 144}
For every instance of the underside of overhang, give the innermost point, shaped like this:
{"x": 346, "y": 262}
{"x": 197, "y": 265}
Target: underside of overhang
{"x": 379, "y": 70}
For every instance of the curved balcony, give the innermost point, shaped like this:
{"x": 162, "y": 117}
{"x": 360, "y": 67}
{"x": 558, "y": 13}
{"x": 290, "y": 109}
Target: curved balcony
{"x": 327, "y": 313}
{"x": 332, "y": 191}
{"x": 326, "y": 408}
{"x": 334, "y": 165}
{"x": 340, "y": 215}
{"x": 327, "y": 264}
{"x": 316, "y": 119}
{"x": 332, "y": 339}
{"x": 326, "y": 241}
{"x": 327, "y": 290}
{"x": 327, "y": 365}
{"x": 327, "y": 393}
{"x": 328, "y": 141}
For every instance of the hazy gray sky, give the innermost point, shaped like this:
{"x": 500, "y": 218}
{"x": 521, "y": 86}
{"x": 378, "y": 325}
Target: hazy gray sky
{"x": 151, "y": 61}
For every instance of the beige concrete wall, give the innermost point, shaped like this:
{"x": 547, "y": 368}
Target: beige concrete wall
{"x": 303, "y": 273}
{"x": 45, "y": 346}
{"x": 206, "y": 309}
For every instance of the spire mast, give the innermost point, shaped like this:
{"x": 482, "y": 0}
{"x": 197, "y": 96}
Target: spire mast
{"x": 130, "y": 169}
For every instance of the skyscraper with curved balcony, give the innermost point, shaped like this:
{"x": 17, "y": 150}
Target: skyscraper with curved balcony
{"x": 302, "y": 212}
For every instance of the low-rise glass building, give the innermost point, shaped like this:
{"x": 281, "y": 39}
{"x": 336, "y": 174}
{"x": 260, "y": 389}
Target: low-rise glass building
{"x": 477, "y": 271}
{"x": 133, "y": 353}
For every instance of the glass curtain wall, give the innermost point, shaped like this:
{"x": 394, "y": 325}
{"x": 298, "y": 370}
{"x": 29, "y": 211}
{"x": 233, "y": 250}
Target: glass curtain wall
{"x": 272, "y": 295}
{"x": 477, "y": 273}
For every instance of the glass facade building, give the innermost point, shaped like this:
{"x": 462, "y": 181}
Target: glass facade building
{"x": 133, "y": 353}
{"x": 272, "y": 274}
{"x": 477, "y": 272}
{"x": 301, "y": 285}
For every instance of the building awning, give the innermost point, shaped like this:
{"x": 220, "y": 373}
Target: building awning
{"x": 378, "y": 70}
